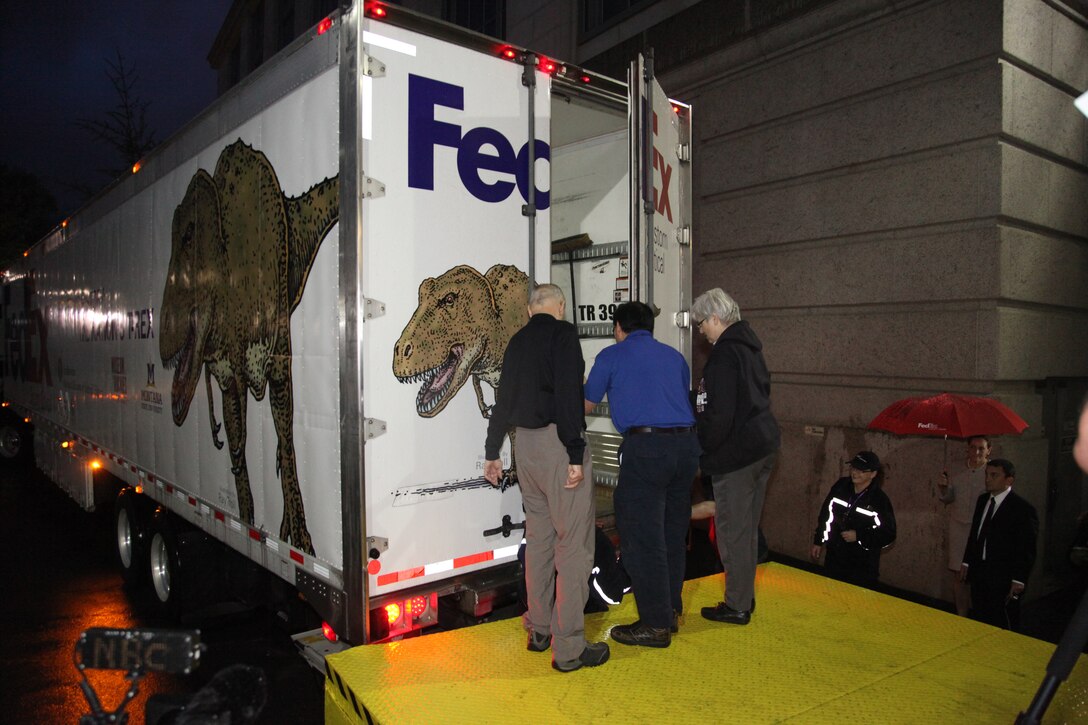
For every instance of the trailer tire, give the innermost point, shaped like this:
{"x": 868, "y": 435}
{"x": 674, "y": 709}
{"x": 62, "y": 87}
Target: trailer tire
{"x": 165, "y": 564}
{"x": 16, "y": 441}
{"x": 130, "y": 536}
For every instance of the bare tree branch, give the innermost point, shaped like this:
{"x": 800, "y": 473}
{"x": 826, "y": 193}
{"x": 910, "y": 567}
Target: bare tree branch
{"x": 125, "y": 127}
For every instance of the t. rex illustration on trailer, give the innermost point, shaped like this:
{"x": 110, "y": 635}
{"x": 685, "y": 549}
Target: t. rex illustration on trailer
{"x": 459, "y": 330}
{"x": 241, "y": 253}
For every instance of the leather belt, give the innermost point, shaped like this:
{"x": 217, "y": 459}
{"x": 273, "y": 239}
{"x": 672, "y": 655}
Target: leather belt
{"x": 633, "y": 430}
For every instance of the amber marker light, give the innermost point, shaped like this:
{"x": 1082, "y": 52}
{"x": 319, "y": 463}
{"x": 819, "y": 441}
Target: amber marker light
{"x": 95, "y": 465}
{"x": 137, "y": 166}
{"x": 65, "y": 444}
{"x": 139, "y": 489}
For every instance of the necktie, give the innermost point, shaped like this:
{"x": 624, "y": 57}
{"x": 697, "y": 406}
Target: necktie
{"x": 985, "y": 528}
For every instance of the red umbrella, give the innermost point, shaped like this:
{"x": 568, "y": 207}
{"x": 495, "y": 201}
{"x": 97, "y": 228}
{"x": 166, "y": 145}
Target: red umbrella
{"x": 958, "y": 416}
{"x": 944, "y": 415}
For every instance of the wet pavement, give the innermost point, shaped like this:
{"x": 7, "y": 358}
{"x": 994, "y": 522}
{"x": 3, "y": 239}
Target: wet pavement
{"x": 59, "y": 578}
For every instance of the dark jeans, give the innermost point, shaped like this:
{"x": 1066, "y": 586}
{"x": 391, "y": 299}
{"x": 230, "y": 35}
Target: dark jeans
{"x": 653, "y": 509}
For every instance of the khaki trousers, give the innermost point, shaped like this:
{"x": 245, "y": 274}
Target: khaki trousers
{"x": 558, "y": 539}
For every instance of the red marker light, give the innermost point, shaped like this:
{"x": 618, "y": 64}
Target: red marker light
{"x": 585, "y": 78}
{"x": 509, "y": 53}
{"x": 676, "y": 109}
{"x": 377, "y": 11}
{"x": 416, "y": 606}
{"x": 330, "y": 634}
{"x": 547, "y": 66}
{"x": 373, "y": 567}
{"x": 323, "y": 26}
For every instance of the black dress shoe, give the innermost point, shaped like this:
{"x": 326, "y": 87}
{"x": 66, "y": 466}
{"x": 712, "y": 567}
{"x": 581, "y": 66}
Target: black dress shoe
{"x": 674, "y": 627}
{"x": 723, "y": 613}
{"x": 640, "y": 634}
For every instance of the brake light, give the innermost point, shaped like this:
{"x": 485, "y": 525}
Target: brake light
{"x": 330, "y": 634}
{"x": 392, "y": 612}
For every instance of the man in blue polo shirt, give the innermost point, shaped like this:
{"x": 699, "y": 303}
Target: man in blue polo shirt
{"x": 647, "y": 385}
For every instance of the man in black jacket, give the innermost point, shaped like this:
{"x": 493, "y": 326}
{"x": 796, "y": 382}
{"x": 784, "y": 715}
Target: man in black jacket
{"x": 740, "y": 440}
{"x": 1000, "y": 549}
{"x": 541, "y": 397}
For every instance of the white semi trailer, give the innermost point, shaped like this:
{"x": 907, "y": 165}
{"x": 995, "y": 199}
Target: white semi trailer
{"x": 277, "y": 342}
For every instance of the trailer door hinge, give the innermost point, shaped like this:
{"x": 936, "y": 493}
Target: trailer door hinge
{"x": 683, "y": 318}
{"x": 375, "y": 545}
{"x": 683, "y": 152}
{"x": 372, "y": 309}
{"x": 372, "y": 428}
{"x": 372, "y": 66}
{"x": 371, "y": 188}
{"x": 683, "y": 235}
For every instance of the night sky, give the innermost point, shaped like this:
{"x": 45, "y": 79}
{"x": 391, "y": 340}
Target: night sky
{"x": 53, "y": 71}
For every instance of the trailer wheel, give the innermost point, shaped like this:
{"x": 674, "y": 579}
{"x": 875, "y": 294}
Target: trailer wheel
{"x": 164, "y": 561}
{"x": 15, "y": 441}
{"x": 130, "y": 532}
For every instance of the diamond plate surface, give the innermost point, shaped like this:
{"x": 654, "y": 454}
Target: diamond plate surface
{"x": 817, "y": 651}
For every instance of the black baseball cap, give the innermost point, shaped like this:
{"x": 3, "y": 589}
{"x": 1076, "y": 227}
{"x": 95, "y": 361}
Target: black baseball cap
{"x": 865, "y": 461}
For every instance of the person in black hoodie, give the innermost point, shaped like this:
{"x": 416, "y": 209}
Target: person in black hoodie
{"x": 856, "y": 523}
{"x": 740, "y": 440}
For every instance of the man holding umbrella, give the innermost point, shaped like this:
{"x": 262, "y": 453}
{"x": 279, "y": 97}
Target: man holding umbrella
{"x": 959, "y": 494}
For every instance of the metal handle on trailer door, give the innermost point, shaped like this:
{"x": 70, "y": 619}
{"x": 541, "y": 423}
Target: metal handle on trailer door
{"x": 506, "y": 528}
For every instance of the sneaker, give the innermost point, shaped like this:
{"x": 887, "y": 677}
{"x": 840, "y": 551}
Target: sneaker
{"x": 593, "y": 655}
{"x": 640, "y": 634}
{"x": 538, "y": 642}
{"x": 723, "y": 613}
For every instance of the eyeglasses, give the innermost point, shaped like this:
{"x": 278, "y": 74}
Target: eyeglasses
{"x": 699, "y": 323}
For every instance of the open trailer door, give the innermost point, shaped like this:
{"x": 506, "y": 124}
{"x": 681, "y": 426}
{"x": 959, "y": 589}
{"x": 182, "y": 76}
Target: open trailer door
{"x": 660, "y": 137}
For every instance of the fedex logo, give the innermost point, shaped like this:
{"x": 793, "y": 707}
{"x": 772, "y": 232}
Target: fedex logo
{"x": 661, "y": 200}
{"x": 478, "y": 149}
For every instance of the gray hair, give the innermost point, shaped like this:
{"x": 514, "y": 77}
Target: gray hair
{"x": 716, "y": 303}
{"x": 545, "y": 294}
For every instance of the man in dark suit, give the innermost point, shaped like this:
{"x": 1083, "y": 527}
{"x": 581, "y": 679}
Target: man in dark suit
{"x": 1000, "y": 549}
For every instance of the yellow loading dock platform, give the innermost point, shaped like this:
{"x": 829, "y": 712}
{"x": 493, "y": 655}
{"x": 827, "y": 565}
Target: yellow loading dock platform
{"x": 817, "y": 651}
